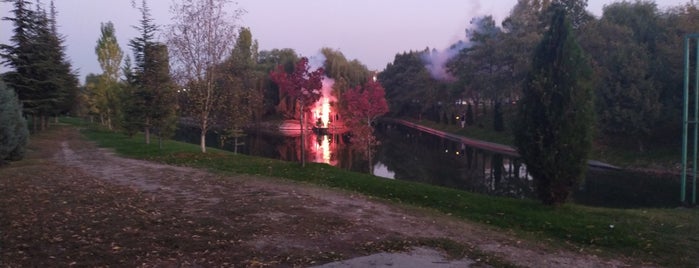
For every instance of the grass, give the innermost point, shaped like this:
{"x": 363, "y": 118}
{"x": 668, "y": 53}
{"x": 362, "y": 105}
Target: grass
{"x": 668, "y": 237}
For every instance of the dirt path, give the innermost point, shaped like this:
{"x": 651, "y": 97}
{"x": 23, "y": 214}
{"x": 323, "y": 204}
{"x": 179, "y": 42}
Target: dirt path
{"x": 71, "y": 203}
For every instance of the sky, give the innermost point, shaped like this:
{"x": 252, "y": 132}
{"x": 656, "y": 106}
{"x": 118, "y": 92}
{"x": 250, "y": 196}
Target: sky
{"x": 370, "y": 31}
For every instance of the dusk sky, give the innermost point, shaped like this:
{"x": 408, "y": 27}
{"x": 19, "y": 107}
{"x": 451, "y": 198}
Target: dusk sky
{"x": 370, "y": 31}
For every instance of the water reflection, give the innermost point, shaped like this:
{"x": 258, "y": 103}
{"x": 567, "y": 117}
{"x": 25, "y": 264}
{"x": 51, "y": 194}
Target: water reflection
{"x": 417, "y": 156}
{"x": 408, "y": 154}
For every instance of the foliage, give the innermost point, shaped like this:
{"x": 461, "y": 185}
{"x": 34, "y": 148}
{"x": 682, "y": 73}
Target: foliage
{"x": 242, "y": 82}
{"x": 267, "y": 61}
{"x": 40, "y": 73}
{"x": 200, "y": 38}
{"x": 408, "y": 85}
{"x": 553, "y": 133}
{"x": 362, "y": 105}
{"x": 347, "y": 74}
{"x": 303, "y": 88}
{"x": 107, "y": 90}
{"x": 13, "y": 128}
{"x": 628, "y": 100}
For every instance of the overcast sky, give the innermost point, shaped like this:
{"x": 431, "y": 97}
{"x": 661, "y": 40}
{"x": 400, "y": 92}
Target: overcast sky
{"x": 370, "y": 31}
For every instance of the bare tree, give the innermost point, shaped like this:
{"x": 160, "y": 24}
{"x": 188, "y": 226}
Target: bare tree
{"x": 200, "y": 38}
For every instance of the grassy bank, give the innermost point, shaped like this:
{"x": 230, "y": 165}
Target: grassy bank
{"x": 668, "y": 237}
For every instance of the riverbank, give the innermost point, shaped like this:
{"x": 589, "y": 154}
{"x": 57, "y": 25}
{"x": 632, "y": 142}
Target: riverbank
{"x": 634, "y": 235}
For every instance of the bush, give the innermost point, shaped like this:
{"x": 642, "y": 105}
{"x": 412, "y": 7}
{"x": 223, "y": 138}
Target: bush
{"x": 14, "y": 134}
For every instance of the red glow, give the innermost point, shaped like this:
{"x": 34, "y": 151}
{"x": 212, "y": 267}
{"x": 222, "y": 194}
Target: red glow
{"x": 321, "y": 109}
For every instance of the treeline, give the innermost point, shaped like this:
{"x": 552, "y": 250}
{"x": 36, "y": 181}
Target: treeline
{"x": 41, "y": 82}
{"x": 41, "y": 74}
{"x": 635, "y": 50}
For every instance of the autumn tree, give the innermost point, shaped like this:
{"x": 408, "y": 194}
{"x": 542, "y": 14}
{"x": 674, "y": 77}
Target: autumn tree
{"x": 200, "y": 38}
{"x": 109, "y": 55}
{"x": 553, "y": 131}
{"x": 267, "y": 61}
{"x": 361, "y": 107}
{"x": 303, "y": 87}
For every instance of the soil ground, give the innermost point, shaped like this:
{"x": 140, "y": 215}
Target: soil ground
{"x": 70, "y": 203}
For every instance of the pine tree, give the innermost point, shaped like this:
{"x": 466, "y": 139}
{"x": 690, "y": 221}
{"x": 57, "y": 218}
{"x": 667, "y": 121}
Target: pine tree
{"x": 158, "y": 92}
{"x": 41, "y": 75}
{"x": 553, "y": 133}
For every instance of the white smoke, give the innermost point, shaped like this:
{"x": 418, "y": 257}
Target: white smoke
{"x": 436, "y": 60}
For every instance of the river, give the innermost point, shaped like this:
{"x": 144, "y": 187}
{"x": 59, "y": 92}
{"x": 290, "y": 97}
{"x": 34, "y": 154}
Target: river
{"x": 405, "y": 153}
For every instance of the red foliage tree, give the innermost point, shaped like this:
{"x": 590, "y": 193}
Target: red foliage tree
{"x": 303, "y": 87}
{"x": 361, "y": 108}
{"x": 364, "y": 105}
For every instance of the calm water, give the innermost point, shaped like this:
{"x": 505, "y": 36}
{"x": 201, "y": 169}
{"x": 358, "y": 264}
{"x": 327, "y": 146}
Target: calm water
{"x": 409, "y": 154}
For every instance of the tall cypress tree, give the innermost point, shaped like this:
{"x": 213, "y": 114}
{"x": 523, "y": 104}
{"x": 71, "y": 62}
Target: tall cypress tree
{"x": 554, "y": 131}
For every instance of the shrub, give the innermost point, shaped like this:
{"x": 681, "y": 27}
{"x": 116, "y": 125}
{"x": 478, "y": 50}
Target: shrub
{"x": 14, "y": 134}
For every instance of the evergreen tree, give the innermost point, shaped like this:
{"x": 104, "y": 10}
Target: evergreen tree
{"x": 151, "y": 103}
{"x": 157, "y": 92}
{"x": 13, "y": 128}
{"x": 553, "y": 133}
{"x": 41, "y": 75}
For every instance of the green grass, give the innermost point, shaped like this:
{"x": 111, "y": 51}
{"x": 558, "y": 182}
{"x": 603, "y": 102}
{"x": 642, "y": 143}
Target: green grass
{"x": 668, "y": 237}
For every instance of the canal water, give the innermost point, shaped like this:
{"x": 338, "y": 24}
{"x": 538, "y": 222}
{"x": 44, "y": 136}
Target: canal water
{"x": 405, "y": 153}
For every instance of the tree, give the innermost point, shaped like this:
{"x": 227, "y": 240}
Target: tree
{"x": 485, "y": 68}
{"x": 553, "y": 133}
{"x": 406, "y": 81}
{"x": 268, "y": 60}
{"x": 109, "y": 55}
{"x": 303, "y": 87}
{"x": 627, "y": 97}
{"x": 362, "y": 105}
{"x": 41, "y": 75}
{"x": 199, "y": 39}
{"x": 243, "y": 95}
{"x": 156, "y": 94}
{"x": 13, "y": 128}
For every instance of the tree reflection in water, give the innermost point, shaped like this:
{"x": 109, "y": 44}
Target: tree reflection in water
{"x": 408, "y": 154}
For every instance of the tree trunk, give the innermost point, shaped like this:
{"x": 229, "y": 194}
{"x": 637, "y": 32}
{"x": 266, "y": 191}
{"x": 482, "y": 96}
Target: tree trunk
{"x": 147, "y": 131}
{"x": 235, "y": 145}
{"x": 303, "y": 139}
{"x": 203, "y": 141}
